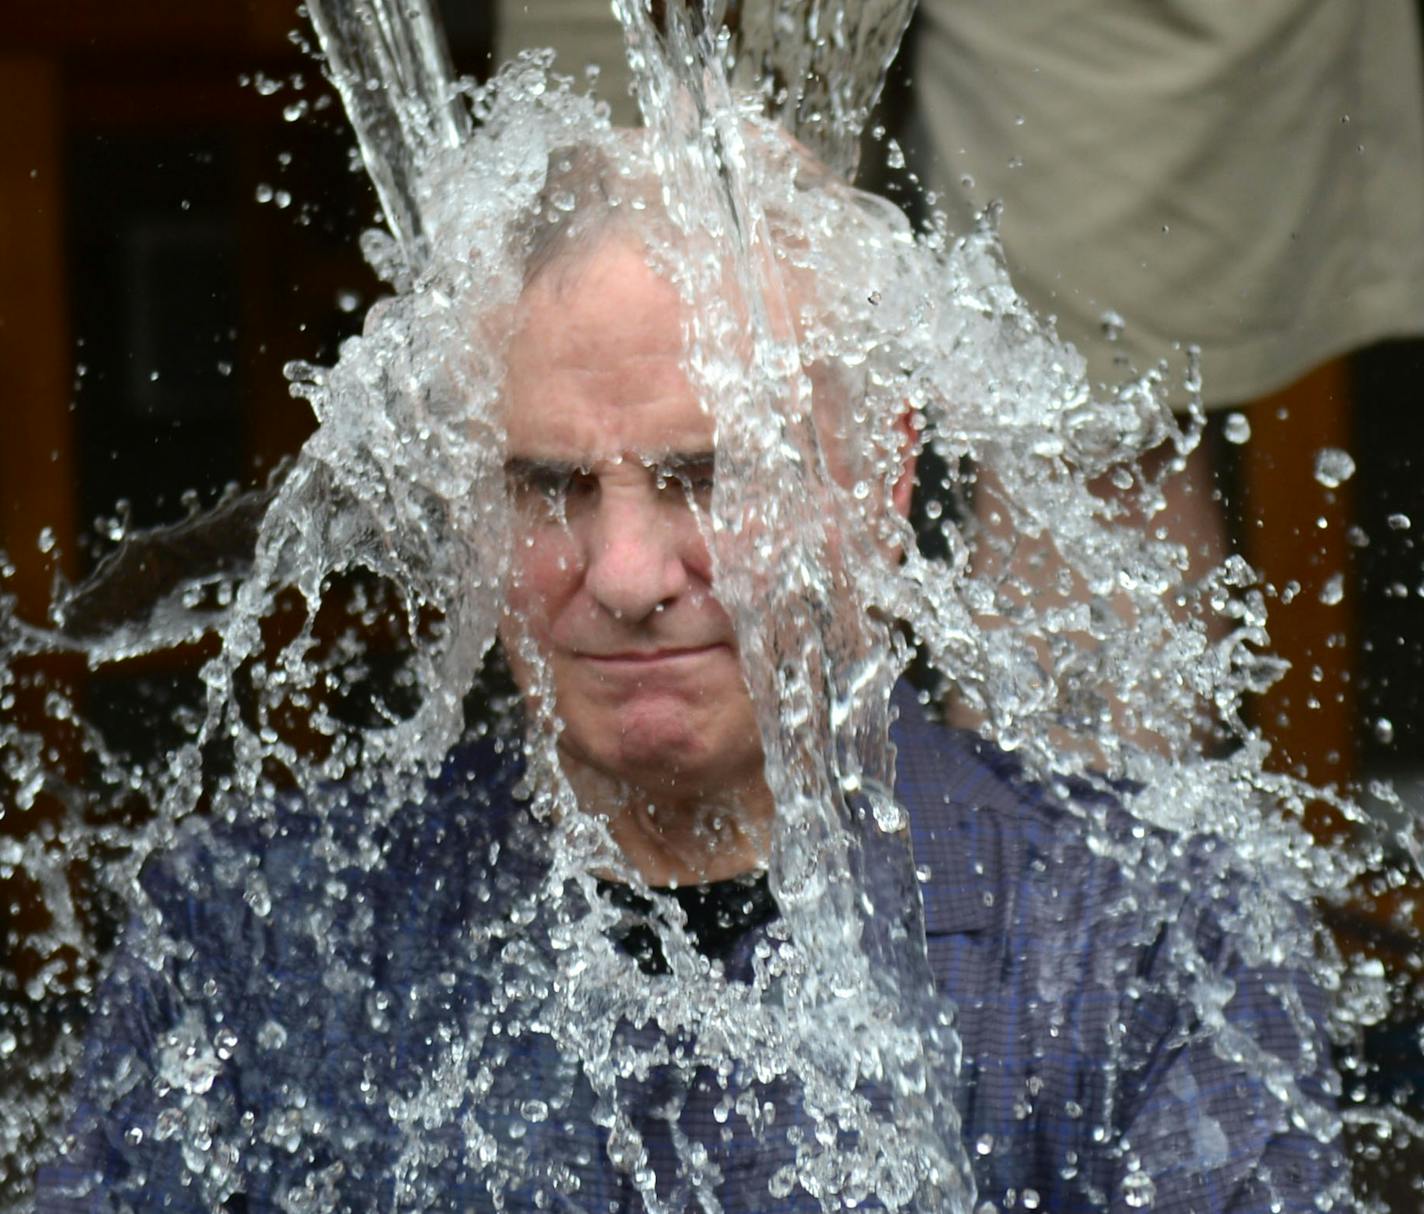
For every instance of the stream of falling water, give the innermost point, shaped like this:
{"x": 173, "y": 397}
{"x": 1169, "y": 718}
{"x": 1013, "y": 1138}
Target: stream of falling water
{"x": 315, "y": 1051}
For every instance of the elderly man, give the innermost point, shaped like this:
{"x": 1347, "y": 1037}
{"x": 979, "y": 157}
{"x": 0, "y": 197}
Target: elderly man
{"x": 334, "y": 1018}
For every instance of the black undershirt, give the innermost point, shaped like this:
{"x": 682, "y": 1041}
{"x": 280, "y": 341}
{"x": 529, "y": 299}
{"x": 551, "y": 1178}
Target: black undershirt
{"x": 718, "y": 915}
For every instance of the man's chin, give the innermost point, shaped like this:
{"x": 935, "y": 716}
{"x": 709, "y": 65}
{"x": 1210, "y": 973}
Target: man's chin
{"x": 663, "y": 750}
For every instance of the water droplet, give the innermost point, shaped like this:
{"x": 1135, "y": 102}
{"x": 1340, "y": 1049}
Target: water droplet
{"x": 46, "y": 540}
{"x": 8, "y": 1043}
{"x": 1334, "y": 589}
{"x": 295, "y": 111}
{"x": 348, "y": 301}
{"x": 1333, "y": 467}
{"x": 1384, "y": 730}
{"x": 1398, "y": 522}
{"x": 782, "y": 1181}
{"x": 259, "y": 900}
{"x": 534, "y": 1111}
{"x": 1138, "y": 1190}
{"x": 263, "y": 193}
{"x": 1112, "y": 325}
{"x": 984, "y": 1144}
{"x": 1236, "y": 428}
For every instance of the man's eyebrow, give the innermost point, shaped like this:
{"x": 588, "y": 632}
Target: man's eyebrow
{"x": 523, "y": 467}
{"x": 678, "y": 461}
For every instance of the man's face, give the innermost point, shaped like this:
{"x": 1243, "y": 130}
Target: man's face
{"x": 608, "y": 450}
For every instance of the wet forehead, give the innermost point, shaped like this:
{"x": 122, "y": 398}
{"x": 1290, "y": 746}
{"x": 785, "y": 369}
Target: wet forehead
{"x": 595, "y": 365}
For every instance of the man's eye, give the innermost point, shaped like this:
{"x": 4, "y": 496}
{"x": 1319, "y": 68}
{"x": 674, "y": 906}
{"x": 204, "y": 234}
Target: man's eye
{"x": 696, "y": 479}
{"x": 550, "y": 487}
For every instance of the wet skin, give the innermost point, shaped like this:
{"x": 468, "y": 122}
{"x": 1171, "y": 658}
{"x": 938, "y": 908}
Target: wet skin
{"x": 609, "y": 453}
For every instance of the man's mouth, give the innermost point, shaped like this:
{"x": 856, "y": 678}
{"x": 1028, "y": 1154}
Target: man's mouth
{"x": 645, "y": 659}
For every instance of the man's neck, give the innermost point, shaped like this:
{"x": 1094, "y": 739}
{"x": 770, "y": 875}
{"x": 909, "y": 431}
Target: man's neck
{"x": 679, "y": 840}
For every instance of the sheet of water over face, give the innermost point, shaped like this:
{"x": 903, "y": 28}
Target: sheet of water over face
{"x": 424, "y": 956}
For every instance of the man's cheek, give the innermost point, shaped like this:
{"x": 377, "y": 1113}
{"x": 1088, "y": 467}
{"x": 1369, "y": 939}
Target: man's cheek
{"x": 542, "y": 585}
{"x": 527, "y": 588}
{"x": 522, "y": 619}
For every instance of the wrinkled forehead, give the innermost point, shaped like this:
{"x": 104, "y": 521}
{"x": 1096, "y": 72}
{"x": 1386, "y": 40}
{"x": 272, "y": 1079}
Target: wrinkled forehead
{"x": 598, "y": 300}
{"x": 598, "y": 361}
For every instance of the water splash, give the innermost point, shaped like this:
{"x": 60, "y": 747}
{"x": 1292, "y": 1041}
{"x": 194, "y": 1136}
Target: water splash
{"x": 392, "y": 70}
{"x": 392, "y": 533}
{"x": 820, "y": 67}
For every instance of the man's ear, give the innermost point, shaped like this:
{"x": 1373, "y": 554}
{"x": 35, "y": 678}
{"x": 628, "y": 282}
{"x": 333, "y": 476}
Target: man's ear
{"x": 909, "y": 436}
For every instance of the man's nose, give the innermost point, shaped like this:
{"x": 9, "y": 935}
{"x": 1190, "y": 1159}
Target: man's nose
{"x": 638, "y": 553}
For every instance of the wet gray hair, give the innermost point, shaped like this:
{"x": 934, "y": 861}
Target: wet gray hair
{"x": 589, "y": 193}
{"x": 594, "y": 191}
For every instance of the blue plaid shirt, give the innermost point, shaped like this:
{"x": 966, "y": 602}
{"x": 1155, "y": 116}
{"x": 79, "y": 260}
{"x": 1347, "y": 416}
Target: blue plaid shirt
{"x": 307, "y": 997}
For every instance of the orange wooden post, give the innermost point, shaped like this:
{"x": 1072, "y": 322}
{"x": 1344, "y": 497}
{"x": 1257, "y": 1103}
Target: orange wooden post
{"x": 37, "y": 482}
{"x": 37, "y": 475}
